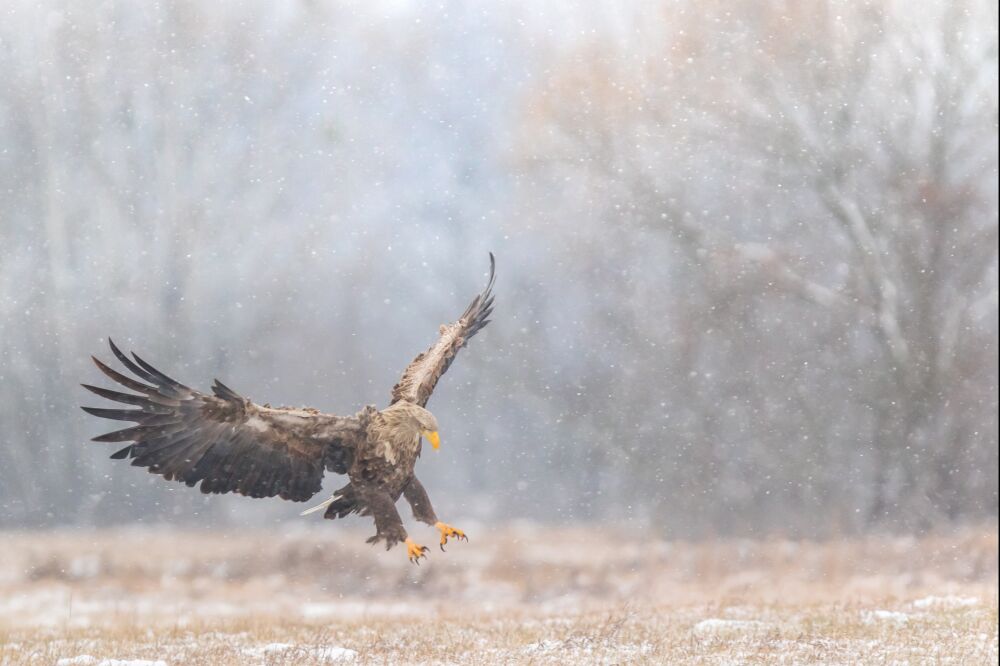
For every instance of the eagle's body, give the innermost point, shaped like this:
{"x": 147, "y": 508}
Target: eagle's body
{"x": 227, "y": 443}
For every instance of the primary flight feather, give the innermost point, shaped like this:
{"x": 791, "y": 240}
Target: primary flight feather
{"x": 226, "y": 443}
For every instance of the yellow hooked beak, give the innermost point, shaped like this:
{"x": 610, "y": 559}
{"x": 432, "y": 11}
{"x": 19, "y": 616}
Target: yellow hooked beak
{"x": 433, "y": 438}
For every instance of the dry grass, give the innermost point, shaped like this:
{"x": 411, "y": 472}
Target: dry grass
{"x": 521, "y": 595}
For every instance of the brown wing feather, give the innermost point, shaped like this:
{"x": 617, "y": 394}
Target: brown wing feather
{"x": 224, "y": 441}
{"x": 421, "y": 376}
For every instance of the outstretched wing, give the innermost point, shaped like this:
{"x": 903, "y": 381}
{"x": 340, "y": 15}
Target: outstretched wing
{"x": 224, "y": 441}
{"x": 421, "y": 376}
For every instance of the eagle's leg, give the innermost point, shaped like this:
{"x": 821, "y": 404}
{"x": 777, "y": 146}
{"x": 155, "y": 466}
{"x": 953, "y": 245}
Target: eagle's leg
{"x": 388, "y": 525}
{"x": 423, "y": 511}
{"x": 419, "y": 501}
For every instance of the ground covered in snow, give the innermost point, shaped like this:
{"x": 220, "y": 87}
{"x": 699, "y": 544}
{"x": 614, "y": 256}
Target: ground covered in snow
{"x": 516, "y": 595}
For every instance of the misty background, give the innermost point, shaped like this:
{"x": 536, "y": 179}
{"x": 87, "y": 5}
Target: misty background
{"x": 746, "y": 252}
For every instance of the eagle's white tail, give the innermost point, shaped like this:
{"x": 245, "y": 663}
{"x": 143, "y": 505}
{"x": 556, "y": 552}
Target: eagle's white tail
{"x": 321, "y": 505}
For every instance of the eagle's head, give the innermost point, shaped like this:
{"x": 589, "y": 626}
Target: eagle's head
{"x": 415, "y": 419}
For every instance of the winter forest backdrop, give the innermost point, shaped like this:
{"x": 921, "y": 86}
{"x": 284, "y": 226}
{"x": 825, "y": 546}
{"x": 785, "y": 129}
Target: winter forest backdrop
{"x": 747, "y": 252}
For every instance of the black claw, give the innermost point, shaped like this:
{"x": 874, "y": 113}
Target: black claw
{"x": 441, "y": 546}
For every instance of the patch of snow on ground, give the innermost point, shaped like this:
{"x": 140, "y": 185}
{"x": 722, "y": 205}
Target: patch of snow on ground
{"x": 543, "y": 646}
{"x": 871, "y": 617}
{"x": 333, "y": 654}
{"x": 87, "y": 660}
{"x": 585, "y": 646}
{"x": 269, "y": 649}
{"x": 329, "y": 654}
{"x": 714, "y": 626}
{"x": 945, "y": 602}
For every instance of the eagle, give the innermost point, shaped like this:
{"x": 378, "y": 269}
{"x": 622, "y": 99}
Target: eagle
{"x": 229, "y": 444}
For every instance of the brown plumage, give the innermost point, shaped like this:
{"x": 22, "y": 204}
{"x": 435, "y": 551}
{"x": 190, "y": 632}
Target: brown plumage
{"x": 226, "y": 443}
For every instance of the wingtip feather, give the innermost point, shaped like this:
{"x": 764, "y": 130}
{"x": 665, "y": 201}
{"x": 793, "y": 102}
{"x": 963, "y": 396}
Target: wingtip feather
{"x": 122, "y": 453}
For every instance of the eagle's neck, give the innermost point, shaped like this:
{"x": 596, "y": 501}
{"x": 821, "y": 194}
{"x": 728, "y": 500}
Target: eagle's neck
{"x": 396, "y": 440}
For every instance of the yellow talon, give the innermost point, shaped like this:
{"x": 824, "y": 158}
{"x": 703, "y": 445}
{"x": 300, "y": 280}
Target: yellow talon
{"x": 449, "y": 531}
{"x": 415, "y": 551}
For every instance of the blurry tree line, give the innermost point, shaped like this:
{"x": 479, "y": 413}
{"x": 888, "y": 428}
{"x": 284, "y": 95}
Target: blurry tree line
{"x": 792, "y": 211}
{"x": 747, "y": 252}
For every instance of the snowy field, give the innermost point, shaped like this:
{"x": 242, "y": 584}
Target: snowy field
{"x": 523, "y": 594}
